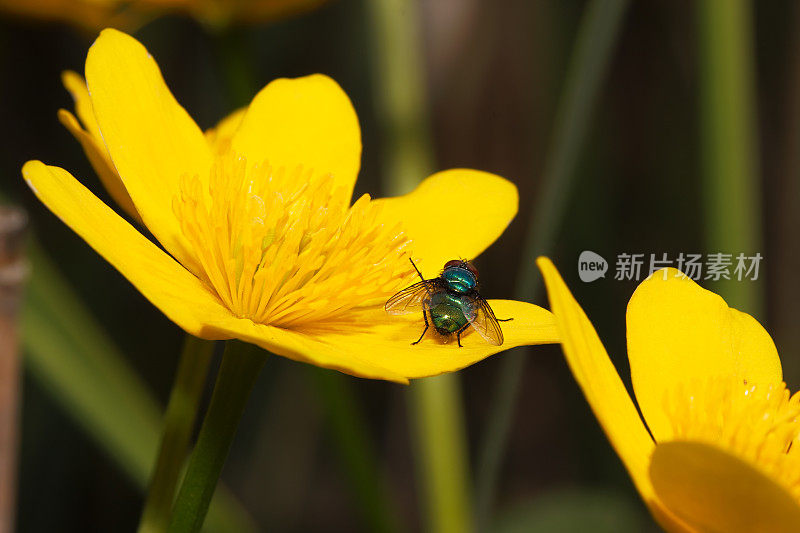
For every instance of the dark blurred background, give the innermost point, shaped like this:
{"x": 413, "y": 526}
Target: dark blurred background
{"x": 495, "y": 73}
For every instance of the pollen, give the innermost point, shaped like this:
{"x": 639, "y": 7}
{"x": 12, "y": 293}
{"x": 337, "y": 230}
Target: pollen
{"x": 759, "y": 423}
{"x": 284, "y": 247}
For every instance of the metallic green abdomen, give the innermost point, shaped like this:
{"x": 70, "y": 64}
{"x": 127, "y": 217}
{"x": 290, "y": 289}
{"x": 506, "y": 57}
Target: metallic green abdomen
{"x": 449, "y": 312}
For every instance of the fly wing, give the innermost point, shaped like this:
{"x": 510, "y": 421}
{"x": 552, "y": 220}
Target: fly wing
{"x": 486, "y": 323}
{"x": 411, "y": 299}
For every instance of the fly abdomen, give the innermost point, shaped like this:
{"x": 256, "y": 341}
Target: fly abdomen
{"x": 447, "y": 313}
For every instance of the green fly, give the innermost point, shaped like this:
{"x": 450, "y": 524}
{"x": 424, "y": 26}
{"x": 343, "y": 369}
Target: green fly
{"x": 452, "y": 302}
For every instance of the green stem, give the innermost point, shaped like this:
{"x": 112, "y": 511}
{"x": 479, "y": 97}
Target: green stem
{"x": 435, "y": 404}
{"x": 400, "y": 93}
{"x": 179, "y": 421}
{"x": 727, "y": 115}
{"x": 241, "y": 364}
{"x": 597, "y": 35}
{"x": 441, "y": 442}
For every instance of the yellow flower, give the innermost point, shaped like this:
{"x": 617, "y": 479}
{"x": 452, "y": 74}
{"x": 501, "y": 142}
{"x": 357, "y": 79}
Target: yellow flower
{"x": 708, "y": 381}
{"x": 86, "y": 14}
{"x": 261, "y": 241}
{"x": 96, "y": 14}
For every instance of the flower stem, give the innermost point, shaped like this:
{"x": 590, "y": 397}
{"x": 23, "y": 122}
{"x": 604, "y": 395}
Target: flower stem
{"x": 441, "y": 442}
{"x": 241, "y": 364}
{"x": 179, "y": 421}
{"x": 727, "y": 116}
{"x": 597, "y": 34}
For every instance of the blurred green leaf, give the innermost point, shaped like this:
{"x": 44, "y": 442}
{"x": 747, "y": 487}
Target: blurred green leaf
{"x": 72, "y": 357}
{"x": 731, "y": 181}
{"x": 346, "y": 420}
{"x": 81, "y": 366}
{"x": 574, "y": 510}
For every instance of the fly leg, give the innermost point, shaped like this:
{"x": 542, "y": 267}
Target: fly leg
{"x": 458, "y": 334}
{"x": 425, "y": 316}
{"x": 418, "y": 272}
{"x": 503, "y": 319}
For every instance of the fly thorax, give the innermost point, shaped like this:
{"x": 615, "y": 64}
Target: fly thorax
{"x": 282, "y": 246}
{"x": 459, "y": 280}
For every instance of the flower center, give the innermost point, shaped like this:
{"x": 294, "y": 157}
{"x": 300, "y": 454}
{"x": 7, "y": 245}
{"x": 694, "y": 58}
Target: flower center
{"x": 759, "y": 423}
{"x": 283, "y": 247}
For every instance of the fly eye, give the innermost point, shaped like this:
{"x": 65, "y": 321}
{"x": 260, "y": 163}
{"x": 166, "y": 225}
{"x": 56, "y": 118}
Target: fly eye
{"x": 454, "y": 263}
{"x": 471, "y": 269}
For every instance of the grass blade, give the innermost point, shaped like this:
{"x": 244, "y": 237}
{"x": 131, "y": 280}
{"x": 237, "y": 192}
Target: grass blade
{"x": 732, "y": 194}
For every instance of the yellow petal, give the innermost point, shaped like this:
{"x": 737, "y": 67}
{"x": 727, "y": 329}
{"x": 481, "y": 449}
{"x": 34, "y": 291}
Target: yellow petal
{"x": 76, "y": 85}
{"x": 454, "y": 214}
{"x": 602, "y": 386}
{"x": 169, "y": 286}
{"x": 101, "y": 163}
{"x": 150, "y": 137}
{"x": 680, "y": 332}
{"x": 221, "y": 135}
{"x": 375, "y": 345}
{"x": 92, "y": 141}
{"x": 715, "y": 491}
{"x": 305, "y": 121}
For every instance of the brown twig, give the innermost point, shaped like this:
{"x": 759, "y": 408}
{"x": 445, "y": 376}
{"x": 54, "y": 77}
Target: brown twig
{"x": 13, "y": 270}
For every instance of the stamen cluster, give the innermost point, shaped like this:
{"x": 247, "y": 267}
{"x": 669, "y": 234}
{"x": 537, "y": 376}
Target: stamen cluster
{"x": 284, "y": 247}
{"x": 759, "y": 423}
